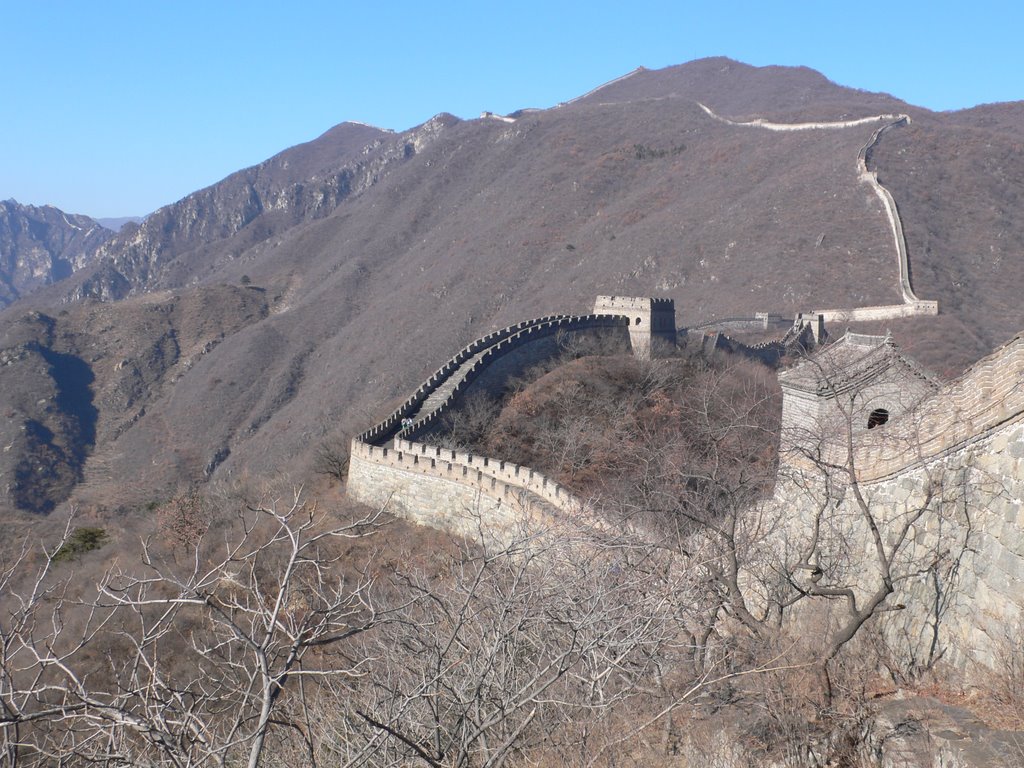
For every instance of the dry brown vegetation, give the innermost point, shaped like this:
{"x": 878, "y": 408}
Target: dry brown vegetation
{"x": 260, "y": 629}
{"x": 590, "y": 424}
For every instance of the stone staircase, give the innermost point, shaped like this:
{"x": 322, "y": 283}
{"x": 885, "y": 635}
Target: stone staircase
{"x": 440, "y": 395}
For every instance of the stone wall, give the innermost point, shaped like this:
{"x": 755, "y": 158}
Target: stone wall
{"x": 959, "y": 455}
{"x": 887, "y": 312}
{"x": 830, "y": 125}
{"x": 493, "y": 345}
{"x": 426, "y": 498}
{"x": 821, "y": 423}
{"x": 761, "y": 321}
{"x": 446, "y": 488}
{"x": 453, "y": 490}
{"x": 386, "y": 429}
{"x": 491, "y": 368}
{"x": 960, "y": 575}
{"x": 493, "y": 476}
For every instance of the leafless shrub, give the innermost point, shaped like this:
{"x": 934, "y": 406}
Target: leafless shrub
{"x": 332, "y": 458}
{"x": 182, "y": 521}
{"x": 192, "y": 664}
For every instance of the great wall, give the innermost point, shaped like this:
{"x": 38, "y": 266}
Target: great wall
{"x": 955, "y": 447}
{"x": 912, "y": 305}
{"x": 388, "y": 465}
{"x": 969, "y": 433}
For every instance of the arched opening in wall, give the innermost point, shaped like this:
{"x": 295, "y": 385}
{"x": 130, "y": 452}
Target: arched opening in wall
{"x": 638, "y": 321}
{"x": 878, "y": 417}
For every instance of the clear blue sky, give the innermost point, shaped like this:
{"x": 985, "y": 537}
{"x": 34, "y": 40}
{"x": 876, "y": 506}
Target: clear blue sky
{"x": 117, "y": 108}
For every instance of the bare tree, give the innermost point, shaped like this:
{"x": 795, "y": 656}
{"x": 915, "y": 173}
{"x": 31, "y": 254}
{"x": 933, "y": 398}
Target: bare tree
{"x": 858, "y": 544}
{"x": 332, "y": 457}
{"x": 703, "y": 489}
{"x": 534, "y": 645}
{"x": 187, "y": 666}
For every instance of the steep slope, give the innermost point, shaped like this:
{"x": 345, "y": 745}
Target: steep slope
{"x": 182, "y": 242}
{"x": 378, "y": 255}
{"x": 959, "y": 183}
{"x": 42, "y": 245}
{"x": 74, "y": 382}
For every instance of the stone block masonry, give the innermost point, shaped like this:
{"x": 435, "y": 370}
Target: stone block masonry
{"x": 959, "y": 455}
{"x": 961, "y": 575}
{"x": 652, "y": 322}
{"x": 425, "y": 406}
{"x": 390, "y": 426}
{"x": 439, "y": 494}
{"x": 986, "y": 398}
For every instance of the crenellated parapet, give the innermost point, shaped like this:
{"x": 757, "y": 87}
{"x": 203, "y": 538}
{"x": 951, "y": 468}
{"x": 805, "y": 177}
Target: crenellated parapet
{"x": 454, "y": 490}
{"x": 512, "y": 351}
{"x": 390, "y": 466}
{"x": 915, "y": 441}
{"x": 454, "y": 377}
{"x": 392, "y": 424}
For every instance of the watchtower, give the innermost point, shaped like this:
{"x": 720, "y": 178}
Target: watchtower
{"x": 856, "y": 384}
{"x": 652, "y": 322}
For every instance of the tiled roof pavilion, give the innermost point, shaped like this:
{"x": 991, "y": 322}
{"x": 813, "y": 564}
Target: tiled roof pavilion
{"x": 851, "y": 363}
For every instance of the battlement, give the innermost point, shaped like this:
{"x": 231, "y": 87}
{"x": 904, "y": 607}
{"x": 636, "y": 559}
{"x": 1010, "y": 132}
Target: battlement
{"x": 434, "y": 397}
{"x": 611, "y": 304}
{"x": 418, "y": 477}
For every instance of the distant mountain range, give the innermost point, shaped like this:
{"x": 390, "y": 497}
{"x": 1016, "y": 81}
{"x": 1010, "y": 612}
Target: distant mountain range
{"x": 240, "y": 328}
{"x": 42, "y": 245}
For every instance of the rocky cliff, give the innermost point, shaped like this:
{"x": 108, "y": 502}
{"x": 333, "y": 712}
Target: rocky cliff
{"x": 42, "y": 245}
{"x": 190, "y": 239}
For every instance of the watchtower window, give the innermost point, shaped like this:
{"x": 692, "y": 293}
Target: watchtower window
{"x": 638, "y": 321}
{"x": 878, "y": 417}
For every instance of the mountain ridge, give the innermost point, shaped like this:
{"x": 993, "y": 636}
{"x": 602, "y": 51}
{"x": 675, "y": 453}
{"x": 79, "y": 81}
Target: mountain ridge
{"x": 394, "y": 252}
